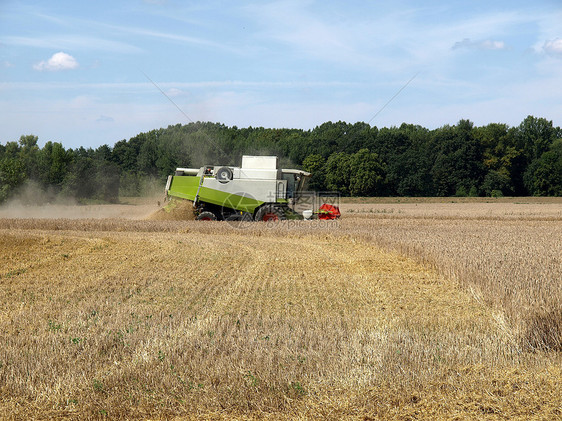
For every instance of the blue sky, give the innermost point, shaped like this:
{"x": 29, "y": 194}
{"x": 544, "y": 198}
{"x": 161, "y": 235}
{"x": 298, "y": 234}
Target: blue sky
{"x": 76, "y": 72}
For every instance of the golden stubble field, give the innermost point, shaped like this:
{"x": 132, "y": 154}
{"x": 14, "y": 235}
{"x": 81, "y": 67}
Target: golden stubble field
{"x": 413, "y": 310}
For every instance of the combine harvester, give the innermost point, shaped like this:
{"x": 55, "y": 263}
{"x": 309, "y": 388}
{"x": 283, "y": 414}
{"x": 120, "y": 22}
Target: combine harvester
{"x": 258, "y": 190}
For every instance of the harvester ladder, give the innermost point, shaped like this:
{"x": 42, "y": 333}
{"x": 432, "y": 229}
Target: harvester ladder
{"x": 198, "y": 189}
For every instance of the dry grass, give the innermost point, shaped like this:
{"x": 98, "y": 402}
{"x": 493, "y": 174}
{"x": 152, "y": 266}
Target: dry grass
{"x": 163, "y": 319}
{"x": 458, "y": 200}
{"x": 525, "y": 208}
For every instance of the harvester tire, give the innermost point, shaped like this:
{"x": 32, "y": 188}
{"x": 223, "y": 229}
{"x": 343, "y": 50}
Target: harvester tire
{"x": 206, "y": 216}
{"x": 240, "y": 217}
{"x": 270, "y": 213}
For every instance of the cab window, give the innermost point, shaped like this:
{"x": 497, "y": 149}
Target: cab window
{"x": 291, "y": 184}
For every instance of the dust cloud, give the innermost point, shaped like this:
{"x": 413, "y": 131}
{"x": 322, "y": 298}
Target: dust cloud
{"x": 176, "y": 210}
{"x": 32, "y": 201}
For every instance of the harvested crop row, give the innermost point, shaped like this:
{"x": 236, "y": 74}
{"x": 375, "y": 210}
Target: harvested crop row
{"x": 207, "y": 319}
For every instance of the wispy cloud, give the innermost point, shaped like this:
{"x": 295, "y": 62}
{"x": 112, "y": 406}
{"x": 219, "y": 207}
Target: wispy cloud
{"x": 174, "y": 92}
{"x": 308, "y": 33}
{"x": 479, "y": 45}
{"x": 71, "y": 42}
{"x": 58, "y": 61}
{"x": 172, "y": 88}
{"x": 79, "y": 24}
{"x": 203, "y": 42}
{"x": 385, "y": 42}
{"x": 553, "y": 47}
{"x": 104, "y": 119}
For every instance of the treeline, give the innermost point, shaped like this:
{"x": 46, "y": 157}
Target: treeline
{"x": 354, "y": 159}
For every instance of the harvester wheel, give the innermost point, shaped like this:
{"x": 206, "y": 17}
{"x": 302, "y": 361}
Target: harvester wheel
{"x": 245, "y": 216}
{"x": 206, "y": 216}
{"x": 270, "y": 213}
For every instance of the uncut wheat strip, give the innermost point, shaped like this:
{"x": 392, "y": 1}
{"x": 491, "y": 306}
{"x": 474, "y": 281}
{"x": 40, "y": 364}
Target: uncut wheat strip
{"x": 529, "y": 257}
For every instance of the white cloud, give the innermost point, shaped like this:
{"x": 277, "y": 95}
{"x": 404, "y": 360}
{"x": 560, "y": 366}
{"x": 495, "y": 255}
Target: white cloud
{"x": 104, "y": 119}
{"x": 479, "y": 45}
{"x": 59, "y": 61}
{"x": 553, "y": 47}
{"x": 492, "y": 45}
{"x": 173, "y": 92}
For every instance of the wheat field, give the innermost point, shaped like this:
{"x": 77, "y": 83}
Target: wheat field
{"x": 404, "y": 311}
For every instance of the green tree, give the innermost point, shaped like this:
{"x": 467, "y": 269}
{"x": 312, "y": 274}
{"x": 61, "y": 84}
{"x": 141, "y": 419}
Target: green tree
{"x": 12, "y": 175}
{"x": 11, "y": 150}
{"x": 314, "y": 164}
{"x": 393, "y": 141}
{"x": 324, "y": 139}
{"x": 368, "y": 174}
{"x": 498, "y": 181}
{"x": 147, "y": 158}
{"x": 29, "y": 155}
{"x": 544, "y": 175}
{"x": 458, "y": 162}
{"x": 533, "y": 137}
{"x": 338, "y": 172}
{"x": 409, "y": 169}
{"x": 80, "y": 179}
{"x": 53, "y": 162}
{"x": 107, "y": 181}
{"x": 501, "y": 158}
{"x": 125, "y": 153}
